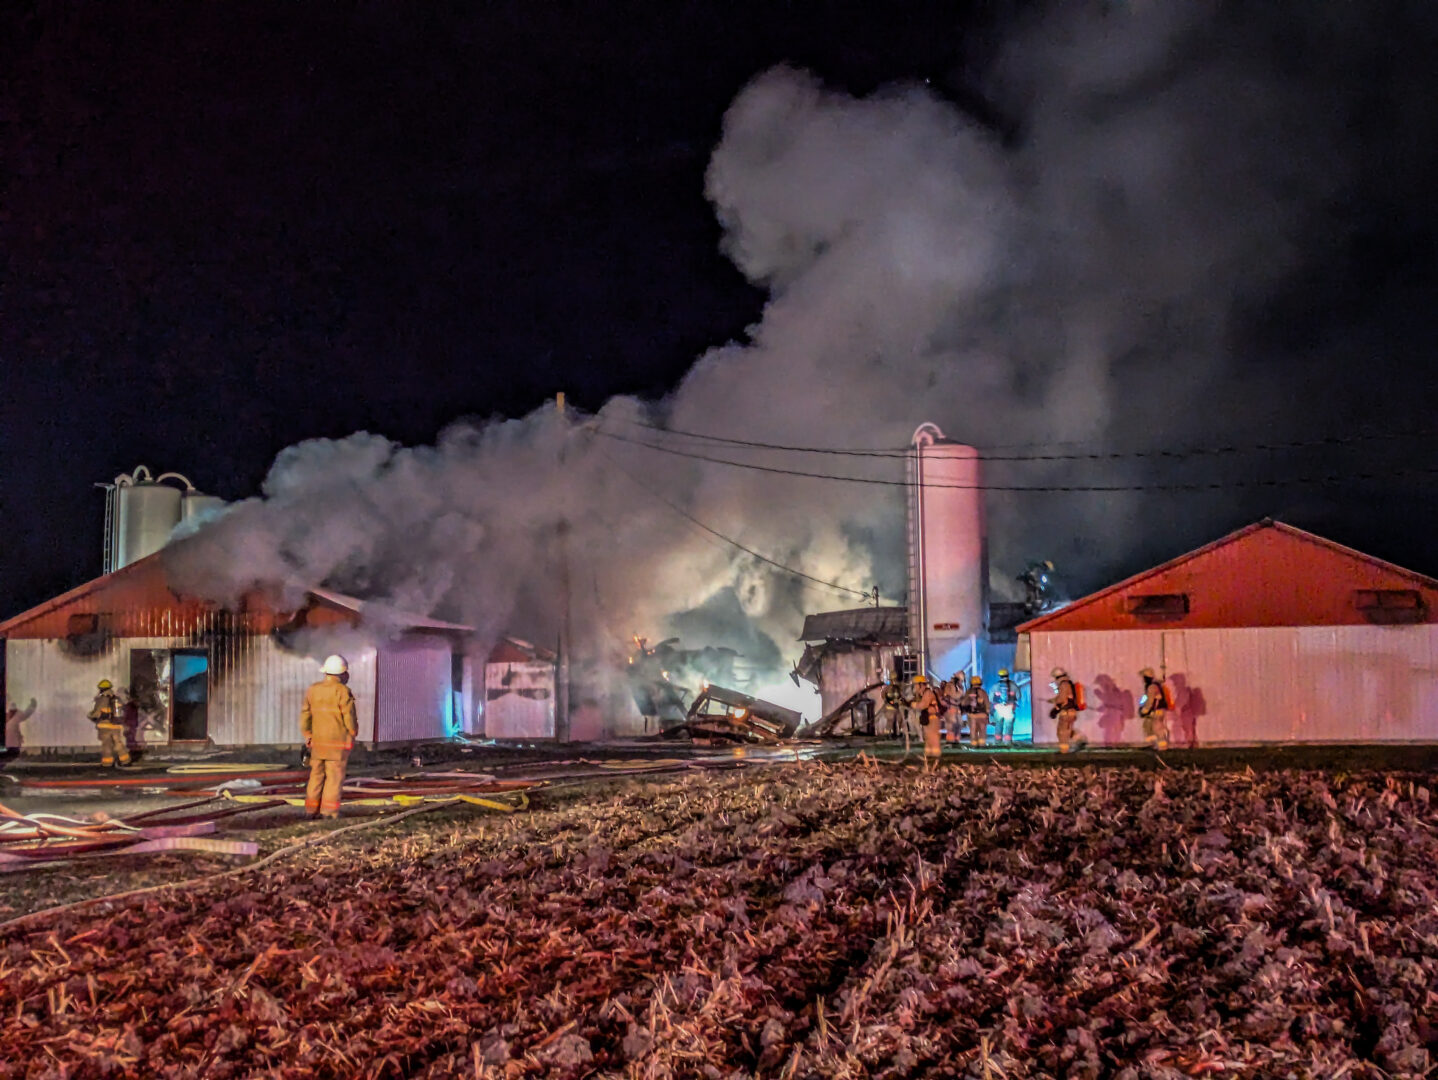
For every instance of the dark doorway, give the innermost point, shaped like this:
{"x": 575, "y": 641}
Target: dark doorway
{"x": 150, "y": 694}
{"x": 170, "y": 694}
{"x": 190, "y": 703}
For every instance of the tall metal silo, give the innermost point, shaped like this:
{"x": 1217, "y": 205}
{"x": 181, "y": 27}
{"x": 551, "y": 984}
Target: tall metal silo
{"x": 196, "y": 505}
{"x": 948, "y": 555}
{"x": 141, "y": 511}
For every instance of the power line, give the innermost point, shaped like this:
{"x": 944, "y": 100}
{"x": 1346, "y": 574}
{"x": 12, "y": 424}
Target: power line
{"x": 728, "y": 539}
{"x": 1117, "y": 455}
{"x": 1297, "y": 481}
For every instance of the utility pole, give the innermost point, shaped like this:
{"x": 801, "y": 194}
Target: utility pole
{"x": 561, "y": 671}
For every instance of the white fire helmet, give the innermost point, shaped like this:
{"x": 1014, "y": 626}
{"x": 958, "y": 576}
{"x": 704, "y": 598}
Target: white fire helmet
{"x": 1058, "y": 673}
{"x": 336, "y": 664}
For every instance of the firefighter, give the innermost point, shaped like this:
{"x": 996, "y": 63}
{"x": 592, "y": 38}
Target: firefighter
{"x": 1153, "y": 709}
{"x": 329, "y": 723}
{"x": 950, "y": 694}
{"x": 108, "y": 715}
{"x": 896, "y": 707}
{"x": 1006, "y": 701}
{"x": 1065, "y": 709}
{"x": 976, "y": 706}
{"x": 931, "y": 714}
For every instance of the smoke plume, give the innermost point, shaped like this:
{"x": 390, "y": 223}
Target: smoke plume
{"x": 1084, "y": 271}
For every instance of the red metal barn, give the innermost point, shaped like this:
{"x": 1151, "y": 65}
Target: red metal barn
{"x": 197, "y": 673}
{"x": 1270, "y": 634}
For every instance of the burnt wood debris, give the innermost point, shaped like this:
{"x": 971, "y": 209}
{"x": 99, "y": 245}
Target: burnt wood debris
{"x": 813, "y": 919}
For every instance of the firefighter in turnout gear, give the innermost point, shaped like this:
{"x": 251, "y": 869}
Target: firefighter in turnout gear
{"x": 1065, "y": 709}
{"x": 108, "y": 715}
{"x": 329, "y": 723}
{"x": 896, "y": 709}
{"x": 931, "y": 715}
{"x": 1153, "y": 709}
{"x": 1006, "y": 701}
{"x": 950, "y": 693}
{"x": 976, "y": 706}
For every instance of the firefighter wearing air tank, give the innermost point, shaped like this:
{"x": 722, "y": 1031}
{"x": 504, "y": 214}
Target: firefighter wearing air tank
{"x": 1006, "y": 701}
{"x": 329, "y": 723}
{"x": 1065, "y": 706}
{"x": 1153, "y": 709}
{"x": 896, "y": 708}
{"x": 976, "y": 706}
{"x": 931, "y": 713}
{"x": 109, "y": 718}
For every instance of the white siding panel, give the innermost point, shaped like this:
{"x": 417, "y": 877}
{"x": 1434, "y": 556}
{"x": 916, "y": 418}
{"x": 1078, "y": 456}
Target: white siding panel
{"x": 519, "y": 700}
{"x": 413, "y": 689}
{"x": 256, "y": 688}
{"x": 62, "y": 688}
{"x": 1266, "y": 684}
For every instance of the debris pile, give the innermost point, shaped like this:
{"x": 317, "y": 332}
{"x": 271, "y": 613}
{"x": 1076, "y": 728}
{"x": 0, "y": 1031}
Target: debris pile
{"x": 817, "y": 921}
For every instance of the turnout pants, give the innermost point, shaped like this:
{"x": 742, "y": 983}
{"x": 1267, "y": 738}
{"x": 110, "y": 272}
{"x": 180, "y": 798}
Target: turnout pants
{"x": 112, "y": 744}
{"x": 1067, "y": 718}
{"x": 1005, "y": 723}
{"x": 978, "y": 728}
{"x": 322, "y": 794}
{"x": 1155, "y": 728}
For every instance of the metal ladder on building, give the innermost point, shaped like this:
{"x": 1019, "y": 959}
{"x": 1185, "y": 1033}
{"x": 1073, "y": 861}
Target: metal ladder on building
{"x": 107, "y": 563}
{"x": 914, "y": 527}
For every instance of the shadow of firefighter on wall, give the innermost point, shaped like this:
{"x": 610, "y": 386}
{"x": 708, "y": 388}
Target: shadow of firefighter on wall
{"x": 1113, "y": 707}
{"x": 1188, "y": 706}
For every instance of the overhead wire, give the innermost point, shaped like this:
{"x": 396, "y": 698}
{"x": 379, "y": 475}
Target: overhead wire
{"x": 729, "y": 539}
{"x": 1223, "y": 485}
{"x": 1115, "y": 455}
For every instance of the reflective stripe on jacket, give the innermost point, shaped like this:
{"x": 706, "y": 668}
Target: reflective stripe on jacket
{"x": 107, "y": 711}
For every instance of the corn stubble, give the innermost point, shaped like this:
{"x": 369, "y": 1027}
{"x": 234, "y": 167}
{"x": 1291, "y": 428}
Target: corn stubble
{"x": 819, "y": 920}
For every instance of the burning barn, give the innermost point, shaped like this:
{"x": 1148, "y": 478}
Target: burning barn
{"x": 198, "y": 674}
{"x": 1269, "y": 634}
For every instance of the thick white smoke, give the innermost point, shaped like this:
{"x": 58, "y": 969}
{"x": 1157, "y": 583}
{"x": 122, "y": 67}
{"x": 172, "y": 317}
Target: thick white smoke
{"x": 1073, "y": 281}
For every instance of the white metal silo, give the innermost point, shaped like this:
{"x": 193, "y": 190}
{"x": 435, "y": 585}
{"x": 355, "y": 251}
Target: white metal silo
{"x": 197, "y": 505}
{"x": 140, "y": 513}
{"x": 948, "y": 555}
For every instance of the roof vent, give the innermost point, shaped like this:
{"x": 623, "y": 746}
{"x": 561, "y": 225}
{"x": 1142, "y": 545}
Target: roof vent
{"x": 1390, "y": 607}
{"x": 1157, "y": 605}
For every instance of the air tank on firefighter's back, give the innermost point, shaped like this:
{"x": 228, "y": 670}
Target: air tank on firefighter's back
{"x": 948, "y": 554}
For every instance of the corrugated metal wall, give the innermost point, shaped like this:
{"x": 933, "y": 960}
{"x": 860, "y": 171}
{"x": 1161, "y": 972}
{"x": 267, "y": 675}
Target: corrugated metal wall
{"x": 413, "y": 690}
{"x": 256, "y": 687}
{"x": 1268, "y": 684}
{"x": 519, "y": 700}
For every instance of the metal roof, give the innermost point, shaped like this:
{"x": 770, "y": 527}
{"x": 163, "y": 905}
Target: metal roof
{"x": 406, "y": 620}
{"x": 1265, "y": 574}
{"x": 137, "y": 597}
{"x": 881, "y": 625}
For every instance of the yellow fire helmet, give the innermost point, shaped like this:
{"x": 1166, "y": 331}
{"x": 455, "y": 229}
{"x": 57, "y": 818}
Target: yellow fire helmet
{"x": 105, "y": 684}
{"x": 1003, "y": 673}
{"x": 1146, "y": 673}
{"x": 976, "y": 681}
{"x": 920, "y": 679}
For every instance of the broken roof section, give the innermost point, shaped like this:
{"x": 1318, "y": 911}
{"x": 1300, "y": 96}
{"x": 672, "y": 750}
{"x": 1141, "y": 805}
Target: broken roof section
{"x": 869, "y": 625}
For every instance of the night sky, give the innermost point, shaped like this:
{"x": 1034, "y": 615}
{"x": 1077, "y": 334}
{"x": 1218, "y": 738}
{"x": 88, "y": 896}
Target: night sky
{"x": 226, "y": 228}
